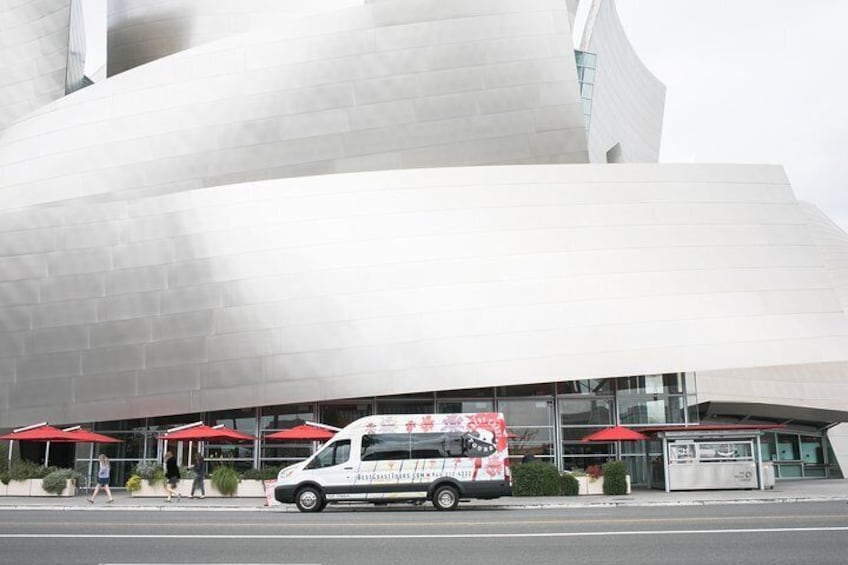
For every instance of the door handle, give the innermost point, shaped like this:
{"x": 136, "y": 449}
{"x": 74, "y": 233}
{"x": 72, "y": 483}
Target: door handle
{"x": 348, "y": 468}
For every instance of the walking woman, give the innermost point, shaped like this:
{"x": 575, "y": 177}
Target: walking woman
{"x": 172, "y": 476}
{"x": 102, "y": 479}
{"x": 199, "y": 473}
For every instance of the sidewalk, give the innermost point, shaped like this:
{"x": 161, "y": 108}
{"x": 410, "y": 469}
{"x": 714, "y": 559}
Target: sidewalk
{"x": 785, "y": 491}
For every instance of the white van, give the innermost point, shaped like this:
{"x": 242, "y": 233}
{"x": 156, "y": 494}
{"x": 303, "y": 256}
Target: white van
{"x": 395, "y": 458}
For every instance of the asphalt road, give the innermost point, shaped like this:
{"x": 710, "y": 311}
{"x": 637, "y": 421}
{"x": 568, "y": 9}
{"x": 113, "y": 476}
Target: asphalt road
{"x": 814, "y": 533}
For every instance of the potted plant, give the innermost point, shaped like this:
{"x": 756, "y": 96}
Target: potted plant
{"x": 225, "y": 480}
{"x": 62, "y": 482}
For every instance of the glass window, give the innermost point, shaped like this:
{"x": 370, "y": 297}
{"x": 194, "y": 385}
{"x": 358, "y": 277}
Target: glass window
{"x": 669, "y": 383}
{"x": 587, "y": 387}
{"x": 164, "y": 423}
{"x": 342, "y": 414}
{"x": 595, "y": 412}
{"x": 243, "y": 420}
{"x": 787, "y": 447}
{"x": 405, "y": 406}
{"x": 333, "y": 454}
{"x": 384, "y": 447}
{"x": 588, "y": 75}
{"x": 580, "y": 456}
{"x": 539, "y": 389}
{"x": 465, "y": 406}
{"x": 811, "y": 450}
{"x": 526, "y": 412}
{"x": 286, "y": 416}
{"x": 669, "y": 410}
{"x": 578, "y": 433}
{"x": 486, "y": 392}
{"x": 586, "y": 90}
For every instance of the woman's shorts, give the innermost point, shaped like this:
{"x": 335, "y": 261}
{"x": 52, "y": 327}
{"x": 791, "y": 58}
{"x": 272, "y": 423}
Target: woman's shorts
{"x": 173, "y": 481}
{"x": 103, "y": 481}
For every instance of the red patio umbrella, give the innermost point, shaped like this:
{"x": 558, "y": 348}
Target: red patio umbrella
{"x": 82, "y": 435}
{"x": 303, "y": 432}
{"x": 40, "y": 433}
{"x": 615, "y": 433}
{"x": 46, "y": 433}
{"x": 207, "y": 433}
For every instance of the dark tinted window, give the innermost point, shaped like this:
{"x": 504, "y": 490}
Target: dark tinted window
{"x": 386, "y": 447}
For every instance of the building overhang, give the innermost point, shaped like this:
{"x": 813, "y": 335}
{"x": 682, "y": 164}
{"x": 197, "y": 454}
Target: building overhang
{"x": 779, "y": 414}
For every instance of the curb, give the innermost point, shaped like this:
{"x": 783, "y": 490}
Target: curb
{"x": 516, "y": 506}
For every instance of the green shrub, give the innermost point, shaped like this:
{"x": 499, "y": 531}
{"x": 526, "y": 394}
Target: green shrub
{"x": 568, "y": 485}
{"x": 615, "y": 478}
{"x": 252, "y": 475}
{"x": 535, "y": 479}
{"x": 55, "y": 482}
{"x": 4, "y": 477}
{"x": 23, "y": 470}
{"x": 225, "y": 479}
{"x": 133, "y": 484}
{"x": 151, "y": 471}
{"x": 269, "y": 473}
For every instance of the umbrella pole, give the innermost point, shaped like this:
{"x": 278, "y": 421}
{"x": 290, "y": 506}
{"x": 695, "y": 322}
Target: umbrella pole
{"x": 11, "y": 444}
{"x": 47, "y": 454}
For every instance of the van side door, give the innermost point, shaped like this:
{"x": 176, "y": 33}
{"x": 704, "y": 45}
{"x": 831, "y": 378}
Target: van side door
{"x": 332, "y": 468}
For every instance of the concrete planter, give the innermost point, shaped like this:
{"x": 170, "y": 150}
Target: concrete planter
{"x": 246, "y": 489}
{"x": 32, "y": 487}
{"x": 590, "y": 486}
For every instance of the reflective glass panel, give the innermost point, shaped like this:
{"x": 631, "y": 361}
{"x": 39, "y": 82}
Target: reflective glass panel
{"x": 595, "y": 412}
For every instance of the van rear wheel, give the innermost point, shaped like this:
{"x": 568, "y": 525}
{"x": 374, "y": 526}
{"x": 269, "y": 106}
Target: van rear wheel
{"x": 445, "y": 497}
{"x": 309, "y": 499}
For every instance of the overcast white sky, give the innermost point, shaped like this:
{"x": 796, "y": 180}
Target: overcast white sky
{"x": 753, "y": 81}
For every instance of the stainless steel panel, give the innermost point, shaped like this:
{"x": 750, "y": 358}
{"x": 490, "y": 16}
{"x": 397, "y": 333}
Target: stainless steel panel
{"x": 71, "y": 313}
{"x": 89, "y": 235}
{"x": 191, "y": 324}
{"x": 129, "y": 306}
{"x": 168, "y": 379}
{"x": 26, "y": 242}
{"x": 192, "y": 298}
{"x": 54, "y": 340}
{"x": 8, "y": 370}
{"x": 57, "y": 289}
{"x": 176, "y": 352}
{"x": 113, "y": 359}
{"x": 80, "y": 261}
{"x": 12, "y": 319}
{"x": 42, "y": 393}
{"x": 239, "y": 345}
{"x": 89, "y": 388}
{"x": 51, "y": 366}
{"x": 18, "y": 292}
{"x": 11, "y": 344}
{"x": 144, "y": 279}
{"x": 232, "y": 372}
{"x": 23, "y": 267}
{"x": 122, "y": 332}
{"x": 144, "y": 254}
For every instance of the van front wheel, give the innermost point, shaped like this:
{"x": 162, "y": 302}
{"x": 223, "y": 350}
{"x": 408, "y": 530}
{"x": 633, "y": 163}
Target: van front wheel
{"x": 309, "y": 499}
{"x": 445, "y": 497}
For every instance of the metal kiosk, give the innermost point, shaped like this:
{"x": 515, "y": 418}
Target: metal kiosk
{"x": 709, "y": 460}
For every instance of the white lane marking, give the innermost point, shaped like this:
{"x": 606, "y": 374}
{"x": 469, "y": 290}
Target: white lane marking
{"x": 423, "y": 536}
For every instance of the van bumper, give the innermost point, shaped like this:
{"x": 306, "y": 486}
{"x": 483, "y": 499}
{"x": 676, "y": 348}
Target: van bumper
{"x": 284, "y": 493}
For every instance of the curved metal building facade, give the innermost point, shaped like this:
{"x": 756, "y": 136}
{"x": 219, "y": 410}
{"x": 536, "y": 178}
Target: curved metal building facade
{"x": 390, "y": 199}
